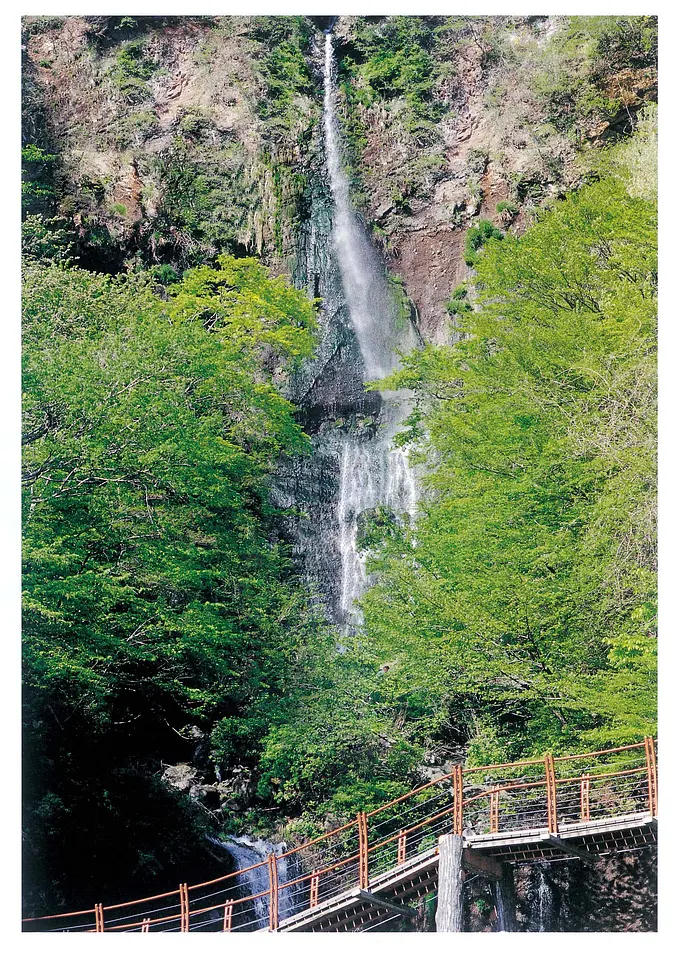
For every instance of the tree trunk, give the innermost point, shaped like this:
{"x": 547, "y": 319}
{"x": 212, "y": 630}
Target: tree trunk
{"x": 449, "y": 917}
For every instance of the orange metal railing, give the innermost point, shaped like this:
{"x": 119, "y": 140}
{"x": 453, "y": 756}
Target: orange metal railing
{"x": 498, "y": 798}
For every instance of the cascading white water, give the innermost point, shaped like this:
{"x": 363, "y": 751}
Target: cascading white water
{"x": 247, "y": 852}
{"x": 370, "y": 308}
{"x": 373, "y": 471}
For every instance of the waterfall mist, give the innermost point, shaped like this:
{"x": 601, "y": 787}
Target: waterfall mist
{"x": 373, "y": 472}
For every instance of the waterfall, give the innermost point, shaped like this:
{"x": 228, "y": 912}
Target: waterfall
{"x": 246, "y": 852}
{"x": 370, "y": 307}
{"x": 544, "y": 901}
{"x": 546, "y": 905}
{"x": 373, "y": 472}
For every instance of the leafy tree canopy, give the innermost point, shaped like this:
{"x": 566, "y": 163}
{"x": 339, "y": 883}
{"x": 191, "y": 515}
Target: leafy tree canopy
{"x": 525, "y": 607}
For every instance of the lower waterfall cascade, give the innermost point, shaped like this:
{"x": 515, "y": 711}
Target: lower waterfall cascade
{"x": 247, "y": 852}
{"x": 358, "y": 468}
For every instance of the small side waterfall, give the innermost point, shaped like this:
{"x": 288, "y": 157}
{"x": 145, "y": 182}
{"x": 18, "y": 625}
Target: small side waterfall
{"x": 246, "y": 852}
{"x": 373, "y": 472}
{"x": 543, "y": 901}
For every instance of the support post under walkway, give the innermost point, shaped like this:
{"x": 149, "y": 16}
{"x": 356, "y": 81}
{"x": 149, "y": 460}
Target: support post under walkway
{"x": 449, "y": 917}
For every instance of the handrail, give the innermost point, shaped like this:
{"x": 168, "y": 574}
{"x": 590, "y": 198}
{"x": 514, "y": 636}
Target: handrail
{"x": 453, "y": 783}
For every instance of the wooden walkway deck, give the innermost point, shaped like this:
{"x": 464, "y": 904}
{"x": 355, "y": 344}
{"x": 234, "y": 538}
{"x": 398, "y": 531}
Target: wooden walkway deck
{"x": 389, "y": 894}
{"x": 374, "y": 867}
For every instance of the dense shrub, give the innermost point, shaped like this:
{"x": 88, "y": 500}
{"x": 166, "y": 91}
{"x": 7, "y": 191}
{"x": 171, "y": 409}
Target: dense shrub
{"x": 476, "y": 237}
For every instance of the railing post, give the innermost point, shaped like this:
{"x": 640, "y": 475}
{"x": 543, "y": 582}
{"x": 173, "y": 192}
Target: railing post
{"x": 184, "y": 908}
{"x": 146, "y": 925}
{"x": 457, "y": 784}
{"x": 98, "y": 918}
{"x": 585, "y": 797}
{"x": 401, "y": 847}
{"x": 273, "y": 893}
{"x": 363, "y": 851}
{"x": 314, "y": 889}
{"x": 493, "y": 811}
{"x": 551, "y": 792}
{"x": 652, "y": 784}
{"x": 228, "y": 915}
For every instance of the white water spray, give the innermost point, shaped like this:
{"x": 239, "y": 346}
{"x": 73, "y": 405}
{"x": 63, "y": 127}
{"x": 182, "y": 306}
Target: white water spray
{"x": 373, "y": 472}
{"x": 246, "y": 854}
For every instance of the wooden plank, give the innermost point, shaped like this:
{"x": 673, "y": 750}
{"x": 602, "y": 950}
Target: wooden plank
{"x": 605, "y": 825}
{"x": 386, "y": 904}
{"x": 487, "y": 865}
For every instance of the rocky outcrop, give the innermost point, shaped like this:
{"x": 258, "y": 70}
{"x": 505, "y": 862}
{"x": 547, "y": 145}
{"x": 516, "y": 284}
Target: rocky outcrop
{"x": 235, "y": 792}
{"x": 615, "y": 894}
{"x": 157, "y": 125}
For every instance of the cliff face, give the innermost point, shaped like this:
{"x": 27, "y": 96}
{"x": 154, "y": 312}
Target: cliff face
{"x": 179, "y": 138}
{"x": 616, "y": 894}
{"x": 172, "y": 146}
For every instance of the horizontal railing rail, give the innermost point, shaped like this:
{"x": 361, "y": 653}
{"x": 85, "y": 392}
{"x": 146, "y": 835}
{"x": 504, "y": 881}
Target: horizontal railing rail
{"x": 478, "y": 800}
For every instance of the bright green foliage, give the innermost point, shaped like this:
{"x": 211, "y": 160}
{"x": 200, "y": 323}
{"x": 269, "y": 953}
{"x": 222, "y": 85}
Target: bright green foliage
{"x": 287, "y": 76}
{"x": 392, "y": 61}
{"x": 526, "y": 608}
{"x": 149, "y": 432}
{"x": 476, "y": 237}
{"x": 131, "y": 71}
{"x": 458, "y": 301}
{"x": 331, "y": 747}
{"x": 157, "y": 594}
{"x": 50, "y": 239}
{"x": 637, "y": 157}
{"x": 507, "y": 206}
{"x": 37, "y": 171}
{"x": 575, "y": 88}
{"x": 154, "y": 592}
{"x": 621, "y": 41}
{"x": 206, "y": 201}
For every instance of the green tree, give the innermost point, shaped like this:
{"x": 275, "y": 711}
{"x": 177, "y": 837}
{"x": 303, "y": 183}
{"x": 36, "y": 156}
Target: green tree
{"x": 155, "y": 592}
{"x": 526, "y": 604}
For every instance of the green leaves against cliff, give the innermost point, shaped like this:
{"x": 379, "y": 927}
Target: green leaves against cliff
{"x": 285, "y": 69}
{"x": 156, "y": 593}
{"x": 149, "y": 431}
{"x": 529, "y": 595}
{"x": 392, "y": 60}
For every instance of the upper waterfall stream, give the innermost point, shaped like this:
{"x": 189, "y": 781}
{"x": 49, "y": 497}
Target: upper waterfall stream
{"x": 373, "y": 472}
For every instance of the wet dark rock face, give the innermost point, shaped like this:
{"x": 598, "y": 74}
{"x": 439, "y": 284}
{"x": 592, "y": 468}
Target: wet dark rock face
{"x": 333, "y": 402}
{"x": 616, "y": 894}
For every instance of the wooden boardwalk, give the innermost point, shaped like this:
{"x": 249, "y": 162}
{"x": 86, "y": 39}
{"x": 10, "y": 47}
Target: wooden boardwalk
{"x": 390, "y": 893}
{"x": 374, "y": 868}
